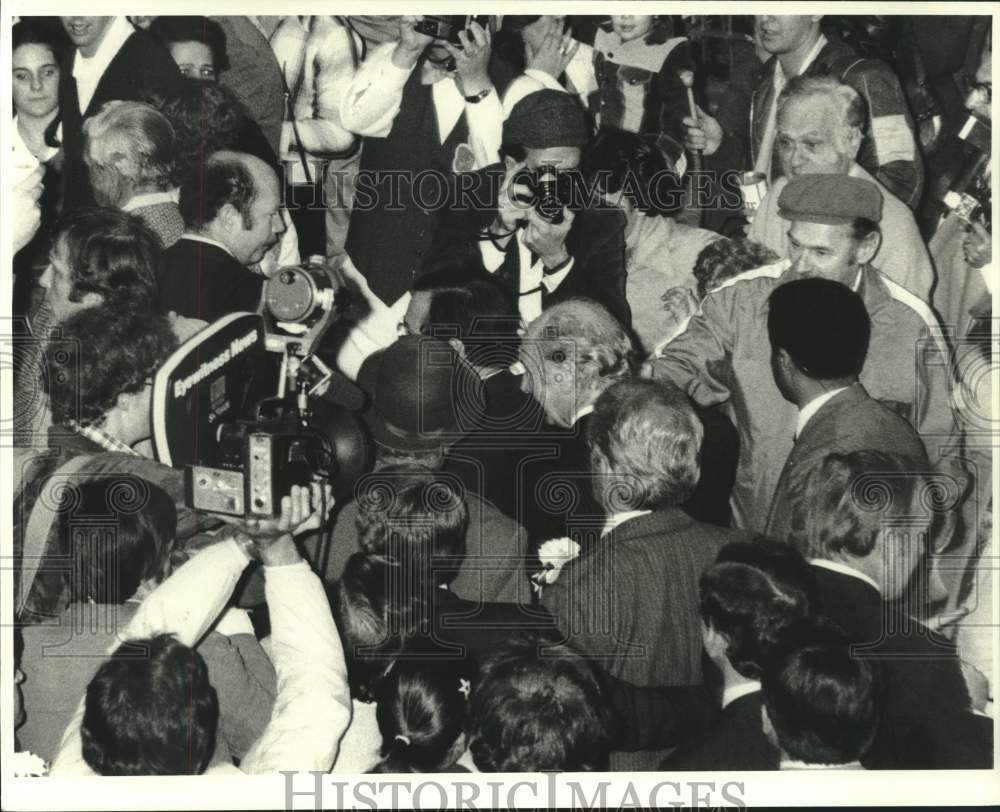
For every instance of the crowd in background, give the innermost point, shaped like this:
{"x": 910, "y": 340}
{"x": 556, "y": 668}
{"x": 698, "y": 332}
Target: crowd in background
{"x": 672, "y": 337}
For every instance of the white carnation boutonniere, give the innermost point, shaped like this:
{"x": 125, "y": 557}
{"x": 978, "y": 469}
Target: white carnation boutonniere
{"x": 554, "y": 555}
{"x": 28, "y": 765}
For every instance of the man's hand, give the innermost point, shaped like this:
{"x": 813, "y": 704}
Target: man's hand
{"x": 511, "y": 211}
{"x": 472, "y": 59}
{"x": 705, "y": 134}
{"x": 27, "y": 214}
{"x": 554, "y": 52}
{"x": 303, "y": 510}
{"x": 977, "y": 246}
{"x": 548, "y": 240}
{"x": 411, "y": 42}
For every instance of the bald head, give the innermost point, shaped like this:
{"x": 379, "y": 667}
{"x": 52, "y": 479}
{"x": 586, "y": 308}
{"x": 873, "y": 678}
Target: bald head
{"x": 237, "y": 202}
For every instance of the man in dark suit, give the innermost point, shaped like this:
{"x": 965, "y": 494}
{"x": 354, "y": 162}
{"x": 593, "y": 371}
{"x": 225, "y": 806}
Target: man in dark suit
{"x": 630, "y": 598}
{"x": 232, "y": 214}
{"x": 112, "y": 60}
{"x": 819, "y": 331}
{"x": 751, "y": 594}
{"x": 545, "y": 253}
{"x": 864, "y": 555}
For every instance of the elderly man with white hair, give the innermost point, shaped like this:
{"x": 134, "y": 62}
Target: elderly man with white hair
{"x": 819, "y": 131}
{"x": 129, "y": 149}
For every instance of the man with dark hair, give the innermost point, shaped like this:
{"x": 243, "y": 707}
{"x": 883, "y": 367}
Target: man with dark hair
{"x": 864, "y": 554}
{"x": 822, "y": 704}
{"x": 749, "y": 596}
{"x": 819, "y": 332}
{"x": 112, "y": 60}
{"x": 539, "y": 707}
{"x": 643, "y": 566}
{"x": 542, "y": 260}
{"x": 233, "y": 216}
{"x": 724, "y": 354}
{"x": 179, "y": 728}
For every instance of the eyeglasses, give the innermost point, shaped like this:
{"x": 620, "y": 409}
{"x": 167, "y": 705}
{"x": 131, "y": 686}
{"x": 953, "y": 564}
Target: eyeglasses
{"x": 204, "y": 72}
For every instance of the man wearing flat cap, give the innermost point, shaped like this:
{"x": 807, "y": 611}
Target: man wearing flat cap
{"x": 542, "y": 258}
{"x": 724, "y": 354}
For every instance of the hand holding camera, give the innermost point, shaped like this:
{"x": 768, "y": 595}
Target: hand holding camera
{"x": 271, "y": 540}
{"x": 547, "y": 238}
{"x": 413, "y": 39}
{"x": 472, "y": 58}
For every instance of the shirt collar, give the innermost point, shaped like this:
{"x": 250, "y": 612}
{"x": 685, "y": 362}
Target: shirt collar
{"x": 792, "y": 764}
{"x": 201, "y": 238}
{"x": 734, "y": 692}
{"x": 621, "y": 518}
{"x": 583, "y": 412}
{"x": 843, "y": 569}
{"x": 101, "y": 438}
{"x": 779, "y": 73}
{"x": 149, "y": 199}
{"x": 119, "y": 30}
{"x": 813, "y": 406}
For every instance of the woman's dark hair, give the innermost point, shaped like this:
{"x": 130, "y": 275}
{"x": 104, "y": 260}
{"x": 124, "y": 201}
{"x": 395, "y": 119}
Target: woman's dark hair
{"x": 150, "y": 710}
{"x": 417, "y": 517}
{"x": 422, "y": 706}
{"x": 170, "y": 30}
{"x": 206, "y": 118}
{"x": 36, "y": 32}
{"x": 111, "y": 253}
{"x": 539, "y": 707}
{"x": 118, "y": 532}
{"x": 751, "y": 594}
{"x": 375, "y": 625}
{"x": 620, "y": 162}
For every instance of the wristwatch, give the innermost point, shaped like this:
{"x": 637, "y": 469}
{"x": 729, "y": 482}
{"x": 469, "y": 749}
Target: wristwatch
{"x": 482, "y": 94}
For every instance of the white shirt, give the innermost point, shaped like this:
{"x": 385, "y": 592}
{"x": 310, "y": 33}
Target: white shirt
{"x": 843, "y": 569}
{"x": 764, "y": 158}
{"x": 532, "y": 276}
{"x": 734, "y": 692}
{"x": 791, "y": 764}
{"x": 154, "y": 199}
{"x": 374, "y": 96}
{"x": 813, "y": 406}
{"x": 88, "y": 72}
{"x": 620, "y": 518}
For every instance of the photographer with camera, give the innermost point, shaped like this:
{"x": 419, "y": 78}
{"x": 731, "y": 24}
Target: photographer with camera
{"x": 540, "y": 237}
{"x": 157, "y": 715}
{"x": 423, "y": 104}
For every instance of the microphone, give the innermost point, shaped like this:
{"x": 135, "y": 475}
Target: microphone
{"x": 687, "y": 79}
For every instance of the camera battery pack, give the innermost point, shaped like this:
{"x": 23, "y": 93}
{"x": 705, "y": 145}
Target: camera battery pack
{"x": 215, "y": 490}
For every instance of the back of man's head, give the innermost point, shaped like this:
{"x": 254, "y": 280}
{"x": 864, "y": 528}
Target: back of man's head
{"x": 823, "y": 703}
{"x": 129, "y": 150}
{"x": 822, "y": 325}
{"x": 465, "y": 304}
{"x": 112, "y": 254}
{"x": 750, "y": 595}
{"x": 226, "y": 179}
{"x": 645, "y": 446}
{"x": 150, "y": 710}
{"x": 539, "y": 707}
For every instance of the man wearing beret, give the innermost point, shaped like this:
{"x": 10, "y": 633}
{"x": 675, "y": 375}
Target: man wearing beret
{"x": 724, "y": 354}
{"x": 819, "y": 130}
{"x": 541, "y": 259}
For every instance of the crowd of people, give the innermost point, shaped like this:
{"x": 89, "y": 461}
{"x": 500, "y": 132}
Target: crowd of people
{"x": 672, "y": 339}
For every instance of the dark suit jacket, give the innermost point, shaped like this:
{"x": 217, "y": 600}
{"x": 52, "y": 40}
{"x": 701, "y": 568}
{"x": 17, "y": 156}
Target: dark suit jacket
{"x": 850, "y": 421}
{"x": 630, "y": 600}
{"x": 926, "y": 694}
{"x": 735, "y": 741}
{"x": 596, "y": 241}
{"x": 142, "y": 64}
{"x": 202, "y": 281}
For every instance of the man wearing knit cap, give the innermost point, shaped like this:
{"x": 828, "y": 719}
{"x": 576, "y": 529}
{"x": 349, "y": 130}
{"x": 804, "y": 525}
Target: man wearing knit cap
{"x": 724, "y": 354}
{"x": 542, "y": 259}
